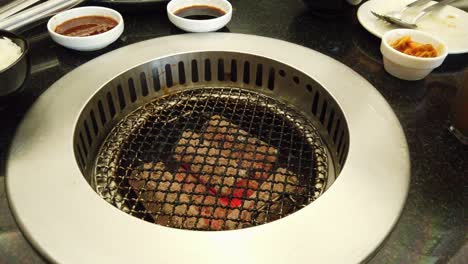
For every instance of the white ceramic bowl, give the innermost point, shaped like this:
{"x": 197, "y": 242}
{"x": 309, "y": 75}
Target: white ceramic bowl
{"x": 409, "y": 67}
{"x": 88, "y": 43}
{"x": 206, "y": 25}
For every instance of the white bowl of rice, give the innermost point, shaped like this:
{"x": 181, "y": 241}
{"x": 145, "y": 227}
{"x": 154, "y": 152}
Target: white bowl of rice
{"x": 14, "y": 62}
{"x": 10, "y": 52}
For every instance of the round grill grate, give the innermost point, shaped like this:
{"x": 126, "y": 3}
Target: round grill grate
{"x": 212, "y": 159}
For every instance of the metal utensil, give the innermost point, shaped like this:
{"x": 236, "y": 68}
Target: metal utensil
{"x": 394, "y": 20}
{"x": 418, "y": 3}
{"x": 14, "y": 7}
{"x": 395, "y": 17}
{"x": 398, "y": 14}
{"x": 37, "y": 13}
{"x": 412, "y": 23}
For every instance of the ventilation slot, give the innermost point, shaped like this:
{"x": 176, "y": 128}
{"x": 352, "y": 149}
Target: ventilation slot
{"x": 120, "y": 93}
{"x": 194, "y": 71}
{"x": 88, "y": 134}
{"x": 181, "y": 72}
{"x": 342, "y": 155}
{"x": 246, "y": 72}
{"x": 309, "y": 87}
{"x": 220, "y": 70}
{"x": 94, "y": 123}
{"x": 340, "y": 143}
{"x": 207, "y": 70}
{"x": 281, "y": 73}
{"x": 156, "y": 81}
{"x": 102, "y": 114}
{"x": 143, "y": 84}
{"x": 131, "y": 90}
{"x": 233, "y": 71}
{"x": 169, "y": 81}
{"x": 337, "y": 128}
{"x": 331, "y": 119}
{"x": 81, "y": 159}
{"x": 323, "y": 112}
{"x": 85, "y": 149}
{"x": 258, "y": 78}
{"x": 296, "y": 79}
{"x": 271, "y": 79}
{"x": 110, "y": 103}
{"x": 315, "y": 103}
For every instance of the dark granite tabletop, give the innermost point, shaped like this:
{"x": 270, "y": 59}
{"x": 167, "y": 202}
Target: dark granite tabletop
{"x": 432, "y": 228}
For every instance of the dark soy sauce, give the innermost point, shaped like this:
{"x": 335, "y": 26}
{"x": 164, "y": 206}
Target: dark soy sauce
{"x": 199, "y": 12}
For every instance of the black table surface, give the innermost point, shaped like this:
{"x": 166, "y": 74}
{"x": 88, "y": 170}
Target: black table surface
{"x": 432, "y": 227}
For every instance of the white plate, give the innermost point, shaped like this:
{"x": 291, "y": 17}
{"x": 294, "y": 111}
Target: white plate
{"x": 449, "y": 24}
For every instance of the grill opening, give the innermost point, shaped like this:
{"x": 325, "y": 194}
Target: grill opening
{"x": 220, "y": 70}
{"x": 132, "y": 91}
{"x": 181, "y": 73}
{"x": 144, "y": 85}
{"x": 233, "y": 70}
{"x": 156, "y": 81}
{"x": 94, "y": 122}
{"x": 110, "y": 103}
{"x": 271, "y": 79}
{"x": 194, "y": 71}
{"x": 258, "y": 81}
{"x": 169, "y": 82}
{"x": 122, "y": 102}
{"x": 211, "y": 147}
{"x": 246, "y": 72}
{"x": 207, "y": 70}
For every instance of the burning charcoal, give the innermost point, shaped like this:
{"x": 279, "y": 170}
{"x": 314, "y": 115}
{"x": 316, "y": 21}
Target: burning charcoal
{"x": 169, "y": 201}
{"x": 150, "y": 185}
{"x": 221, "y": 130}
{"x": 269, "y": 194}
{"x": 213, "y": 167}
{"x": 223, "y": 153}
{"x": 252, "y": 153}
{"x": 190, "y": 222}
{"x": 215, "y": 218}
{"x": 282, "y": 181}
{"x": 187, "y": 147}
{"x": 151, "y": 174}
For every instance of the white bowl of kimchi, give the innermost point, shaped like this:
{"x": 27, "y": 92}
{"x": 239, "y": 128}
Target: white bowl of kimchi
{"x": 411, "y": 54}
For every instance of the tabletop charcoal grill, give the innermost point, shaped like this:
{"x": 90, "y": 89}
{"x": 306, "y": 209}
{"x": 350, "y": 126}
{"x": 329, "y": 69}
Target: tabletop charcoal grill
{"x": 156, "y": 104}
{"x": 221, "y": 135}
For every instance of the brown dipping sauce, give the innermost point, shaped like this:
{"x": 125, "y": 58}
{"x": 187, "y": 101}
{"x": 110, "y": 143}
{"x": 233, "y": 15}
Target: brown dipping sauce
{"x": 86, "y": 26}
{"x": 199, "y": 12}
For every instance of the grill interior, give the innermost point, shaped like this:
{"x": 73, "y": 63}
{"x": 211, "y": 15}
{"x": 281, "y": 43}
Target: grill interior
{"x": 211, "y": 141}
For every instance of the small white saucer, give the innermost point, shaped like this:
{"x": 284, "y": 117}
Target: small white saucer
{"x": 192, "y": 25}
{"x": 88, "y": 43}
